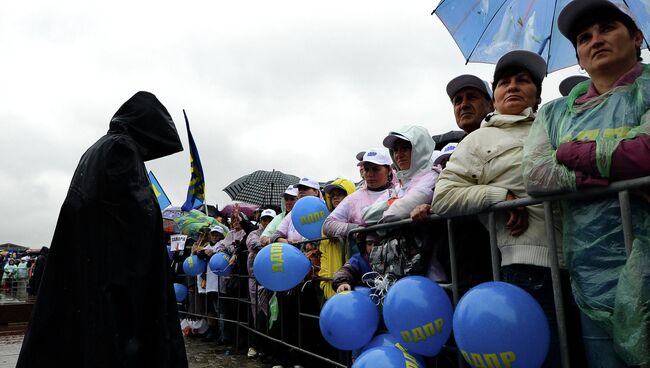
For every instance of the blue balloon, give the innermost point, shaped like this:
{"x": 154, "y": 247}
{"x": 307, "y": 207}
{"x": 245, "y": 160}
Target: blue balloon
{"x": 497, "y": 323}
{"x": 193, "y": 266}
{"x": 219, "y": 263}
{"x": 181, "y": 292}
{"x": 386, "y": 357}
{"x": 308, "y": 216}
{"x": 280, "y": 266}
{"x": 348, "y": 320}
{"x": 418, "y": 314}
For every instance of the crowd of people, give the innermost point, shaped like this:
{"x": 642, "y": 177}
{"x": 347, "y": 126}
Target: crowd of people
{"x": 21, "y": 273}
{"x": 511, "y": 146}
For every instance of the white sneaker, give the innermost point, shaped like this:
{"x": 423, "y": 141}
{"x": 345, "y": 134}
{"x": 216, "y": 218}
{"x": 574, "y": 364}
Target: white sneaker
{"x": 278, "y": 366}
{"x": 252, "y": 353}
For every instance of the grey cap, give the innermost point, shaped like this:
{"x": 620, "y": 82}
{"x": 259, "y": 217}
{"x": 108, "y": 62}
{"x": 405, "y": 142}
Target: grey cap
{"x": 575, "y": 11}
{"x": 468, "y": 80}
{"x": 568, "y": 83}
{"x": 528, "y": 60}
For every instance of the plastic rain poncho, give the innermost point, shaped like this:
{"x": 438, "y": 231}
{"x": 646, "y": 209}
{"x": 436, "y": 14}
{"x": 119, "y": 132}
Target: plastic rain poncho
{"x": 609, "y": 287}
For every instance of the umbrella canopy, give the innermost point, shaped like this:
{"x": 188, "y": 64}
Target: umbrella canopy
{"x": 485, "y": 30}
{"x": 261, "y": 187}
{"x": 247, "y": 209}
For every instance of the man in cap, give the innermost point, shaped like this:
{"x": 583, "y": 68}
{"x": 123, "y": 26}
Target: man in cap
{"x": 597, "y": 135}
{"x": 471, "y": 98}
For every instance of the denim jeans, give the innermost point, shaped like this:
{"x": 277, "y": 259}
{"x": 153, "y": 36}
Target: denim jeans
{"x": 537, "y": 282}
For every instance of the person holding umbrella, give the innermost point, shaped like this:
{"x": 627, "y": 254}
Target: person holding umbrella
{"x": 599, "y": 134}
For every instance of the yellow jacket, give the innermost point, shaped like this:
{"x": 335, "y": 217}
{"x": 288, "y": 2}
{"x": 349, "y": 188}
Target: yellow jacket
{"x": 331, "y": 259}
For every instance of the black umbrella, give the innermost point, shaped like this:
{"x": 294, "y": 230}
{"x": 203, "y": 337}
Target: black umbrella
{"x": 261, "y": 187}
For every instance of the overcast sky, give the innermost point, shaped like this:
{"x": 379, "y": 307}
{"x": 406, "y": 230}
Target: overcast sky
{"x": 298, "y": 86}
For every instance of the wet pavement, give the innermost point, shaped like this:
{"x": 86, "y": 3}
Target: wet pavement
{"x": 199, "y": 354}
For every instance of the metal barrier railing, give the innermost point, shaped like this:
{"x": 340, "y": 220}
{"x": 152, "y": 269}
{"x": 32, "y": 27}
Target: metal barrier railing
{"x": 15, "y": 289}
{"x": 621, "y": 188}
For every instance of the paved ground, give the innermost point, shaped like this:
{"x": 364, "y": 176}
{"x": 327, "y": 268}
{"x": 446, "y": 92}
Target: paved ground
{"x": 200, "y": 355}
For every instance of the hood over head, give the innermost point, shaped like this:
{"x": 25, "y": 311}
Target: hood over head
{"x": 148, "y": 123}
{"x": 422, "y": 147}
{"x": 345, "y": 184}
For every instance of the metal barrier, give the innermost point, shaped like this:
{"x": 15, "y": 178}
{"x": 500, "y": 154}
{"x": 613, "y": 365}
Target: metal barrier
{"x": 621, "y": 188}
{"x": 15, "y": 289}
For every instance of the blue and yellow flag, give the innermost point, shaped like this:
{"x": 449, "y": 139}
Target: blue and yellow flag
{"x": 196, "y": 189}
{"x": 161, "y": 196}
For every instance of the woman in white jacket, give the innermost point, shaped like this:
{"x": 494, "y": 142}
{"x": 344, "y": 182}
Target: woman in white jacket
{"x": 486, "y": 169}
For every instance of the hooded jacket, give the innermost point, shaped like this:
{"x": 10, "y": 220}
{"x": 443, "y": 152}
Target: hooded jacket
{"x": 106, "y": 298}
{"x": 415, "y": 185}
{"x": 484, "y": 167}
{"x": 331, "y": 257}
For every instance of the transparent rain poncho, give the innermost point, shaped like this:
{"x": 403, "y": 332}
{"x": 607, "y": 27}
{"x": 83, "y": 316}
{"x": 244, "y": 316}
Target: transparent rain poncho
{"x": 609, "y": 287}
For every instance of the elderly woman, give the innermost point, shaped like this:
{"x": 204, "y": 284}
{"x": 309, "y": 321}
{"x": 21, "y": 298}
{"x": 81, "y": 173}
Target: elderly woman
{"x": 598, "y": 134}
{"x": 486, "y": 169}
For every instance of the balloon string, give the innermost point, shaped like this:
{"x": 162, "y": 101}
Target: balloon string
{"x": 378, "y": 285}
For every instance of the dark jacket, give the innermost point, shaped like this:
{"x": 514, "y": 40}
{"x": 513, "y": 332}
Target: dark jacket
{"x": 106, "y": 298}
{"x": 352, "y": 272}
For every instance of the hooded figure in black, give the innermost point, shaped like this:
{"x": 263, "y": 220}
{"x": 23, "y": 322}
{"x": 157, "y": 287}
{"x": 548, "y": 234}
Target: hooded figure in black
{"x": 106, "y": 298}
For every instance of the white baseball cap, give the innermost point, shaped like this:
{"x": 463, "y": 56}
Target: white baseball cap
{"x": 268, "y": 213}
{"x": 292, "y": 191}
{"x": 217, "y": 229}
{"x": 377, "y": 157}
{"x": 445, "y": 152}
{"x": 309, "y": 182}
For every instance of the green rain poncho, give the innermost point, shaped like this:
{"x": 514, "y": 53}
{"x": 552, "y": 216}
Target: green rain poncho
{"x": 609, "y": 287}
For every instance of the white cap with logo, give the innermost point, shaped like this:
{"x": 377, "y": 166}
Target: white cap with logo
{"x": 377, "y": 157}
{"x": 268, "y": 213}
{"x": 291, "y": 190}
{"x": 309, "y": 182}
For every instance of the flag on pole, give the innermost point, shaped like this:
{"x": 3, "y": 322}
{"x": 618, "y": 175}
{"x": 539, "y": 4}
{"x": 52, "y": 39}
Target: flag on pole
{"x": 161, "y": 196}
{"x": 196, "y": 189}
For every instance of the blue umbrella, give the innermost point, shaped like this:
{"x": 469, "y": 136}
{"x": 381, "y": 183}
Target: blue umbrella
{"x": 485, "y": 30}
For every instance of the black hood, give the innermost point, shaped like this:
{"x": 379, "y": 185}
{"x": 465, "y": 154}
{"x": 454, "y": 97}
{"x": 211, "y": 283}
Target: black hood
{"x": 147, "y": 122}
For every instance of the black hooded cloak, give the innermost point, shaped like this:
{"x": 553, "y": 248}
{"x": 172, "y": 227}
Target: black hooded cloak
{"x": 106, "y": 298}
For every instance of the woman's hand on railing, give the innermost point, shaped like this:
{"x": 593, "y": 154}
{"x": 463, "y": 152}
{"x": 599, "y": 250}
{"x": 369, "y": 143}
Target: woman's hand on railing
{"x": 420, "y": 212}
{"x": 517, "y": 221}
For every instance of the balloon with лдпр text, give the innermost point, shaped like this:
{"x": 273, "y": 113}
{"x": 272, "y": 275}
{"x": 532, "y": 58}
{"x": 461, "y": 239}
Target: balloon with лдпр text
{"x": 349, "y": 320}
{"x": 193, "y": 266}
{"x": 280, "y": 266}
{"x": 387, "y": 357}
{"x": 500, "y": 323}
{"x": 418, "y": 313}
{"x": 220, "y": 263}
{"x": 308, "y": 216}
